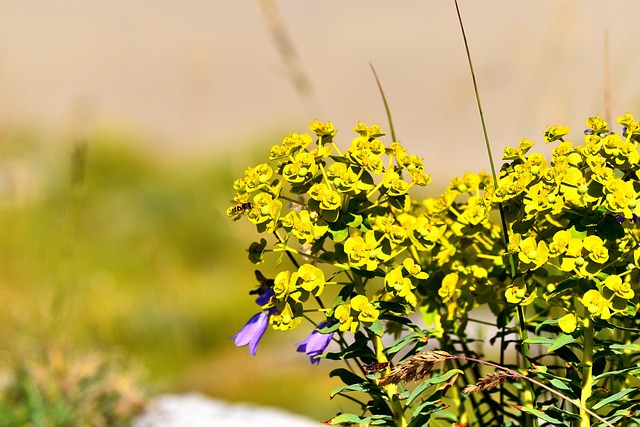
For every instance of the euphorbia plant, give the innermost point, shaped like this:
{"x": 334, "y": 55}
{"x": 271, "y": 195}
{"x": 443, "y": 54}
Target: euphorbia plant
{"x": 395, "y": 281}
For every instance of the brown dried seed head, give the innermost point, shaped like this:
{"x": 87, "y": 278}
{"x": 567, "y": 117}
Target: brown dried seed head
{"x": 414, "y": 368}
{"x": 489, "y": 382}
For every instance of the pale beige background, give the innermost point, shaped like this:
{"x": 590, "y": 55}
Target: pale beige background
{"x": 195, "y": 75}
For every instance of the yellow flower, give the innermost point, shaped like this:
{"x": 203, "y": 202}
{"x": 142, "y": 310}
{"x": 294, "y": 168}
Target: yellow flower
{"x": 559, "y": 243}
{"x": 424, "y": 233}
{"x": 555, "y": 133}
{"x": 282, "y": 285}
{"x": 368, "y": 312}
{"x": 414, "y": 269}
{"x": 596, "y": 304}
{"x": 342, "y": 314}
{"x": 597, "y": 124}
{"x": 302, "y": 169}
{"x": 358, "y": 302}
{"x": 322, "y": 129}
{"x": 448, "y": 287}
{"x": 568, "y": 323}
{"x": 620, "y": 289}
{"x": 369, "y": 132}
{"x": 311, "y": 278}
{"x": 518, "y": 293}
{"x": 395, "y": 185}
{"x": 533, "y": 255}
{"x": 294, "y": 142}
{"x": 397, "y": 283}
{"x": 363, "y": 252}
{"x": 285, "y": 319}
{"x": 597, "y": 252}
{"x": 328, "y": 199}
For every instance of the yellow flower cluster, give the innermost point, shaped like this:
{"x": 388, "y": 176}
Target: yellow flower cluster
{"x": 570, "y": 224}
{"x": 574, "y": 218}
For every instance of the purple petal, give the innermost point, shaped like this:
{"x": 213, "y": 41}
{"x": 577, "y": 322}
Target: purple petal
{"x": 265, "y": 297}
{"x": 315, "y": 344}
{"x": 252, "y": 332}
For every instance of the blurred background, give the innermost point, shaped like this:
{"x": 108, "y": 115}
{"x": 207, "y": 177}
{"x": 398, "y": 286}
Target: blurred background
{"x": 123, "y": 124}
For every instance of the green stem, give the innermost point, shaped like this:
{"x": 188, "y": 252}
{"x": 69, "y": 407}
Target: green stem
{"x": 384, "y": 100}
{"x": 528, "y": 394}
{"x": 587, "y": 371}
{"x": 390, "y": 389}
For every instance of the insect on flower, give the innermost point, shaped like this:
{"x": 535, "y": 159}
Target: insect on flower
{"x": 239, "y": 209}
{"x": 264, "y": 284}
{"x": 372, "y": 368}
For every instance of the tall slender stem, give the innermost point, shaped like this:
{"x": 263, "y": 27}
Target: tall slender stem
{"x": 528, "y": 394}
{"x": 386, "y": 105}
{"x": 587, "y": 371}
{"x": 391, "y": 389}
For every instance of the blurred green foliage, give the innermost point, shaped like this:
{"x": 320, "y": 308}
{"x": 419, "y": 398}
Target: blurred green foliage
{"x": 107, "y": 245}
{"x": 51, "y": 389}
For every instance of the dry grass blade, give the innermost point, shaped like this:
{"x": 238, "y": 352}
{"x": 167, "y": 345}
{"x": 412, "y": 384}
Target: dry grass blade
{"x": 491, "y": 381}
{"x": 414, "y": 368}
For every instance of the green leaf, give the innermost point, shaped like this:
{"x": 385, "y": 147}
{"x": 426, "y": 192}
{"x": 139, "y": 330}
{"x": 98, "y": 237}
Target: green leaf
{"x": 561, "y": 341}
{"x": 613, "y": 398}
{"x": 391, "y": 306}
{"x": 346, "y": 376}
{"x": 564, "y": 285}
{"x": 631, "y": 347}
{"x": 415, "y": 337}
{"x": 422, "y": 414}
{"x": 398, "y": 202}
{"x": 376, "y": 328}
{"x": 614, "y": 373}
{"x": 330, "y": 216}
{"x": 434, "y": 380}
{"x": 539, "y": 340}
{"x": 559, "y": 384}
{"x": 368, "y": 388}
{"x": 545, "y": 323}
{"x": 552, "y": 411}
{"x": 353, "y": 220}
{"x": 604, "y": 324}
{"x": 609, "y": 228}
{"x": 543, "y": 416}
{"x": 339, "y": 231}
{"x": 578, "y": 234}
{"x": 345, "y": 418}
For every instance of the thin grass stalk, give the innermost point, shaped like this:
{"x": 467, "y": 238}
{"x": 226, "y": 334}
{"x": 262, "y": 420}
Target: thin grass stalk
{"x": 286, "y": 48}
{"x": 386, "y": 105}
{"x": 503, "y": 222}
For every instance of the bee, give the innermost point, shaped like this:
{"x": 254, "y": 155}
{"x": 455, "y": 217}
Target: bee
{"x": 374, "y": 367}
{"x": 264, "y": 284}
{"x": 239, "y": 209}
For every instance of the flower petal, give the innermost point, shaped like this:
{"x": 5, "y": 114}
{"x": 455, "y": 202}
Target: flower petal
{"x": 251, "y": 333}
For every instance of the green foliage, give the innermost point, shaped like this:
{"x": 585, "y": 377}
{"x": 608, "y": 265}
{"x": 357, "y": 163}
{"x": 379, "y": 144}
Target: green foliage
{"x": 56, "y": 390}
{"x": 561, "y": 279}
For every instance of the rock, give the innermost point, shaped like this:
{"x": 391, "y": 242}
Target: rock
{"x": 196, "y": 410}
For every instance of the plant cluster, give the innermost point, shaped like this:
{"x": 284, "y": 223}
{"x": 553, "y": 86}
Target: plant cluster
{"x": 548, "y": 250}
{"x": 54, "y": 389}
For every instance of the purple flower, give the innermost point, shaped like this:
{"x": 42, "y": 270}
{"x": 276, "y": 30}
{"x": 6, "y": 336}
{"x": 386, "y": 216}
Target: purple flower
{"x": 265, "y": 297}
{"x": 315, "y": 344}
{"x": 253, "y": 331}
{"x": 634, "y": 218}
